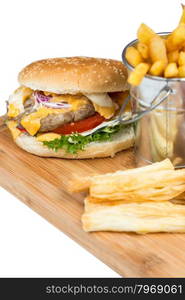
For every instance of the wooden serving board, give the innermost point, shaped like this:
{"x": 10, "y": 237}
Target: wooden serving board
{"x": 41, "y": 183}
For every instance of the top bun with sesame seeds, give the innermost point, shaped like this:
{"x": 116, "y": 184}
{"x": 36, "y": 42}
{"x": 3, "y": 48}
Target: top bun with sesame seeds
{"x": 72, "y": 75}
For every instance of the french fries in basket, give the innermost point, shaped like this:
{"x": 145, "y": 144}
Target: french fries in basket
{"x": 157, "y": 68}
{"x": 171, "y": 71}
{"x": 181, "y": 59}
{"x": 143, "y": 50}
{"x": 145, "y": 33}
{"x": 173, "y": 56}
{"x": 176, "y": 38}
{"x": 139, "y": 72}
{"x": 182, "y": 71}
{"x": 133, "y": 56}
{"x": 157, "y": 50}
{"x": 167, "y": 54}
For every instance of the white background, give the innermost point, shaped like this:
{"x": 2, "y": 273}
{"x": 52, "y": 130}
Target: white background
{"x": 35, "y": 29}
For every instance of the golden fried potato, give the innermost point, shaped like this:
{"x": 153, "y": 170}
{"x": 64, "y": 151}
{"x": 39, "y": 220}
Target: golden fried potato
{"x": 161, "y": 55}
{"x": 182, "y": 48}
{"x": 157, "y": 49}
{"x": 157, "y": 68}
{"x": 182, "y": 19}
{"x": 143, "y": 50}
{"x": 145, "y": 33}
{"x": 173, "y": 56}
{"x": 141, "y": 217}
{"x": 81, "y": 184}
{"x": 176, "y": 38}
{"x": 139, "y": 72}
{"x": 171, "y": 70}
{"x": 181, "y": 60}
{"x": 160, "y": 186}
{"x": 182, "y": 71}
{"x": 169, "y": 46}
{"x": 133, "y": 56}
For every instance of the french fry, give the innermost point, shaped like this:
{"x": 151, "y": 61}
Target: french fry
{"x": 182, "y": 48}
{"x": 157, "y": 68}
{"x": 182, "y": 19}
{"x": 182, "y": 71}
{"x": 157, "y": 49}
{"x": 169, "y": 46}
{"x": 137, "y": 75}
{"x": 173, "y": 56}
{"x": 145, "y": 33}
{"x": 137, "y": 217}
{"x": 176, "y": 39}
{"x": 81, "y": 184}
{"x": 152, "y": 186}
{"x": 181, "y": 60}
{"x": 133, "y": 56}
{"x": 143, "y": 50}
{"x": 171, "y": 71}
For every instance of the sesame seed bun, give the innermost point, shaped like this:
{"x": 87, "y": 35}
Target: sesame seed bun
{"x": 72, "y": 75}
{"x": 124, "y": 139}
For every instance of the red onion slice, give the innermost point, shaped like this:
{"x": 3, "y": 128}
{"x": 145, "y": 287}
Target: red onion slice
{"x": 43, "y": 99}
{"x": 40, "y": 97}
{"x": 56, "y": 104}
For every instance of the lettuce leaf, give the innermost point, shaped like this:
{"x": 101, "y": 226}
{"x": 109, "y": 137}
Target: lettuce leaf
{"x": 75, "y": 142}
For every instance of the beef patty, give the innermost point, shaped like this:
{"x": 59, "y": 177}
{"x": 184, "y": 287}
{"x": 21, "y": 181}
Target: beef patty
{"x": 54, "y": 121}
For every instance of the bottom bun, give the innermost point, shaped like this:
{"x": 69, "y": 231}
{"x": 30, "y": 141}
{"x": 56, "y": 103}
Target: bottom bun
{"x": 121, "y": 141}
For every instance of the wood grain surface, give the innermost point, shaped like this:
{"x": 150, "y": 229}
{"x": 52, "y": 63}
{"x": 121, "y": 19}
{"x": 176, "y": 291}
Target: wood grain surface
{"x": 41, "y": 183}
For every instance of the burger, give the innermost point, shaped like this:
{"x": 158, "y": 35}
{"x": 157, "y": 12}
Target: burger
{"x": 60, "y": 104}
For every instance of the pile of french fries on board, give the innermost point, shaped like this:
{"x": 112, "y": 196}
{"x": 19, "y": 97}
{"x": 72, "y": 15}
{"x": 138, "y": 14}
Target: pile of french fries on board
{"x": 145, "y": 199}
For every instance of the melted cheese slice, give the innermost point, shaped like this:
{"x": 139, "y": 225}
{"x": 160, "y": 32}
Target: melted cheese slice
{"x": 16, "y": 101}
{"x": 12, "y": 125}
{"x": 47, "y": 137}
{"x": 106, "y": 112}
{"x": 32, "y": 123}
{"x": 76, "y": 101}
{"x": 13, "y": 110}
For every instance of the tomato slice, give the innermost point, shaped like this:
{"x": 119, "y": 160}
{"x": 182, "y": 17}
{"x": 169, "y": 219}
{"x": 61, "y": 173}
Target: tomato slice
{"x": 80, "y": 126}
{"x": 22, "y": 129}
